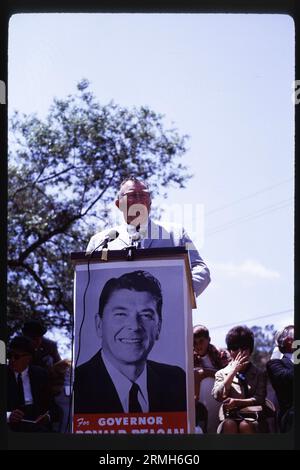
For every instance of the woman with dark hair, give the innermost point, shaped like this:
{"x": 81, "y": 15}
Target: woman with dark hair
{"x": 241, "y": 386}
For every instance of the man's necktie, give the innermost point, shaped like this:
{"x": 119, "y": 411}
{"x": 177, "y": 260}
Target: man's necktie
{"x": 21, "y": 398}
{"x": 134, "y": 405}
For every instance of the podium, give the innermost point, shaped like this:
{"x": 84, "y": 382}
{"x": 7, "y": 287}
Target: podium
{"x": 133, "y": 324}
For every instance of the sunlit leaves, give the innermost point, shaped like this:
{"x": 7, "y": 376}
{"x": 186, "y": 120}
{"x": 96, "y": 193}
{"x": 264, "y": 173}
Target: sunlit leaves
{"x": 64, "y": 171}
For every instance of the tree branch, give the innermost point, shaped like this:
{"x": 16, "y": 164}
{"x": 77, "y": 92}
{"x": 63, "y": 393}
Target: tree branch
{"x": 29, "y": 184}
{"x": 41, "y": 240}
{"x": 100, "y": 195}
{"x": 37, "y": 279}
{"x": 55, "y": 175}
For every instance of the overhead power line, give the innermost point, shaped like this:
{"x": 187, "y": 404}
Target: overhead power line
{"x": 253, "y": 215}
{"x": 249, "y": 196}
{"x": 250, "y": 319}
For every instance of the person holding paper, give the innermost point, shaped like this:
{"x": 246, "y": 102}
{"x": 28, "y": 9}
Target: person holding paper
{"x": 28, "y": 397}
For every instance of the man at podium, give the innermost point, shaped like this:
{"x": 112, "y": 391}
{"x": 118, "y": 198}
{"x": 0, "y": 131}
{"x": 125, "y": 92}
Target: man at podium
{"x": 120, "y": 378}
{"x": 134, "y": 200}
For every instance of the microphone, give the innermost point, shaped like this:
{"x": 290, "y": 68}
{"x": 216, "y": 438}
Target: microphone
{"x": 111, "y": 236}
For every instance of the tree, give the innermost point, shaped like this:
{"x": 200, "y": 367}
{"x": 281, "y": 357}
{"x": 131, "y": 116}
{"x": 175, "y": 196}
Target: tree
{"x": 63, "y": 172}
{"x": 263, "y": 345}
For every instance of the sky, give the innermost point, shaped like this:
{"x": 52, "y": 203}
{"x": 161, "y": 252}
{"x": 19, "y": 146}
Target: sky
{"x": 225, "y": 80}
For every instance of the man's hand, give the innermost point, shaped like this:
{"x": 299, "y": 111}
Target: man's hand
{"x": 241, "y": 360}
{"x": 43, "y": 419}
{"x": 16, "y": 416}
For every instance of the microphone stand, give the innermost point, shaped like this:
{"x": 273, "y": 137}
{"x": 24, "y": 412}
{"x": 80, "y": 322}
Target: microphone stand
{"x": 135, "y": 242}
{"x": 131, "y": 249}
{"x": 130, "y": 252}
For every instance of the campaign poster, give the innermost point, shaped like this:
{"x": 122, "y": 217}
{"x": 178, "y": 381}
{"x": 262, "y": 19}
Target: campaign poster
{"x": 130, "y": 350}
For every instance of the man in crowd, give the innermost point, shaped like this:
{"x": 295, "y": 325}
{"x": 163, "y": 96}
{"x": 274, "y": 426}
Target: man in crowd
{"x": 281, "y": 374}
{"x": 45, "y": 350}
{"x": 28, "y": 396}
{"x": 134, "y": 201}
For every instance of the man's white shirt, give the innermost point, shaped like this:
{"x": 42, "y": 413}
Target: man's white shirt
{"x": 26, "y": 386}
{"x": 123, "y": 385}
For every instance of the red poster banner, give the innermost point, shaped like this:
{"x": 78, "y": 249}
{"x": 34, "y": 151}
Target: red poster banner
{"x": 134, "y": 423}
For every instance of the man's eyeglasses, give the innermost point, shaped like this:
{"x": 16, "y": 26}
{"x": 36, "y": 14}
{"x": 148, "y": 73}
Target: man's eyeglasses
{"x": 134, "y": 195}
{"x": 16, "y": 356}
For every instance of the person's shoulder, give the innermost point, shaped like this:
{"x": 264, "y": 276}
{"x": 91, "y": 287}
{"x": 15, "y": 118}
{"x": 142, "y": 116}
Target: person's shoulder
{"x": 272, "y": 362}
{"x": 168, "y": 226}
{"x": 49, "y": 343}
{"x": 165, "y": 369}
{"x": 171, "y": 229}
{"x": 224, "y": 370}
{"x": 283, "y": 362}
{"x": 85, "y": 368}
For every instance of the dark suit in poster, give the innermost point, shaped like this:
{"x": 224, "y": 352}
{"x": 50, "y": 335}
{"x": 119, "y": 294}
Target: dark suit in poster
{"x": 94, "y": 391}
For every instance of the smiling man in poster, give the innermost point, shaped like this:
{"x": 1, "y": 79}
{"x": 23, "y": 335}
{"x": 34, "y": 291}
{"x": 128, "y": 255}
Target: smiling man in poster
{"x": 120, "y": 378}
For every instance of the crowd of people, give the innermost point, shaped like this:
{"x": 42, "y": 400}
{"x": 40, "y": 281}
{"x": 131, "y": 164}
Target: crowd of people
{"x": 37, "y": 399}
{"x": 232, "y": 395}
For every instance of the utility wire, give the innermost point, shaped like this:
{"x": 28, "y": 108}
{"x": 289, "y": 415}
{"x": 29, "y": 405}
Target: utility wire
{"x": 250, "y": 319}
{"x": 261, "y": 212}
{"x": 268, "y": 188}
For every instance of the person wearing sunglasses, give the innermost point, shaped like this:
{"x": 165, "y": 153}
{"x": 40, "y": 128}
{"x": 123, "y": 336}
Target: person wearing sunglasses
{"x": 134, "y": 201}
{"x": 241, "y": 386}
{"x": 28, "y": 396}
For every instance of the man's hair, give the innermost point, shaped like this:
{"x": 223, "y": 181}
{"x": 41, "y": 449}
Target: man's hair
{"x": 135, "y": 179}
{"x": 281, "y": 337}
{"x": 33, "y": 329}
{"x": 240, "y": 337}
{"x": 200, "y": 331}
{"x": 22, "y": 344}
{"x": 140, "y": 281}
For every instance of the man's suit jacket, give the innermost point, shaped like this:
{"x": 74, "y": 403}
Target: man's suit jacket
{"x": 281, "y": 373}
{"x": 94, "y": 391}
{"x": 39, "y": 383}
{"x": 160, "y": 236}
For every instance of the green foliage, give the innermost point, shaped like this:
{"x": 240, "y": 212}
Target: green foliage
{"x": 264, "y": 344}
{"x": 63, "y": 172}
